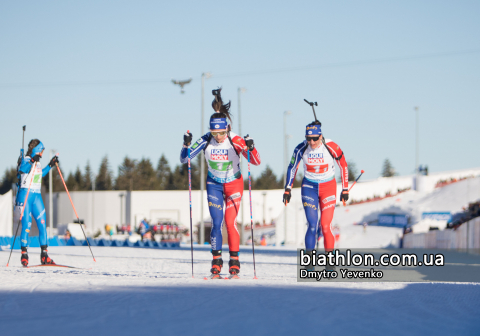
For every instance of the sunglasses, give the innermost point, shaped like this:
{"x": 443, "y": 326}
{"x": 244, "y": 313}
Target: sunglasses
{"x": 313, "y": 138}
{"x": 218, "y": 133}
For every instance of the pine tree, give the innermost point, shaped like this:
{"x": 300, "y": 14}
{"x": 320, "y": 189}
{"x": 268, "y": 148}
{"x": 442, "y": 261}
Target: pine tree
{"x": 388, "y": 170}
{"x": 127, "y": 179}
{"x": 268, "y": 180}
{"x": 352, "y": 171}
{"x": 164, "y": 174}
{"x": 104, "y": 176}
{"x": 146, "y": 175}
{"x": 180, "y": 177}
{"x": 71, "y": 182}
{"x": 87, "y": 177}
{"x": 79, "y": 179}
{"x": 56, "y": 180}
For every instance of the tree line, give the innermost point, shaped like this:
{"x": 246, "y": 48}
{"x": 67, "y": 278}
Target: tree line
{"x": 143, "y": 175}
{"x": 140, "y": 175}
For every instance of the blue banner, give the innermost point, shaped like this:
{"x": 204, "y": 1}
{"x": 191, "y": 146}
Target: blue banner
{"x": 443, "y": 216}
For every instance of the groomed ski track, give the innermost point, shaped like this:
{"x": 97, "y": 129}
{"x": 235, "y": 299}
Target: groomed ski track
{"x": 132, "y": 291}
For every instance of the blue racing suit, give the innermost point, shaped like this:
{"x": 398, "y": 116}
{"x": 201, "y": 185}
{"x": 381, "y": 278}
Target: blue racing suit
{"x": 34, "y": 204}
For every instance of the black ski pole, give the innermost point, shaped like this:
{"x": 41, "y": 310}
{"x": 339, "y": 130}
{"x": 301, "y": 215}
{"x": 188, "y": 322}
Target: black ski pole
{"x": 190, "y": 196}
{"x": 251, "y": 216}
{"x": 23, "y": 137}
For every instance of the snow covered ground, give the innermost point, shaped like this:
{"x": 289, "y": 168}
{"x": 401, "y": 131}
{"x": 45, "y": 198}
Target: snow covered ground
{"x": 131, "y": 291}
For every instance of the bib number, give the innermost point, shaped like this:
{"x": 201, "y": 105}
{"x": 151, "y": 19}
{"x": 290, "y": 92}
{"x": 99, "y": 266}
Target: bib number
{"x": 221, "y": 166}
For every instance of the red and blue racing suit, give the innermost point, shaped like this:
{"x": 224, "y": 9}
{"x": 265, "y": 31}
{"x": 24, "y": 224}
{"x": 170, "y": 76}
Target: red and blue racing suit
{"x": 319, "y": 189}
{"x": 224, "y": 183}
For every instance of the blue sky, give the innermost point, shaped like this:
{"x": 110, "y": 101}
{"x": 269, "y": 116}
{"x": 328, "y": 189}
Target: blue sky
{"x": 92, "y": 78}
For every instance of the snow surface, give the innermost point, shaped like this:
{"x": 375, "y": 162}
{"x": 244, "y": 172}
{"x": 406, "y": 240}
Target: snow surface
{"x": 133, "y": 291}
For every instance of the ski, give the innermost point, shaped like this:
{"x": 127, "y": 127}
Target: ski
{"x": 214, "y": 277}
{"x": 232, "y": 276}
{"x": 52, "y": 265}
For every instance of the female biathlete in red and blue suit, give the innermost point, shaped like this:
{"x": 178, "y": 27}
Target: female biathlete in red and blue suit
{"x": 222, "y": 150}
{"x": 319, "y": 188}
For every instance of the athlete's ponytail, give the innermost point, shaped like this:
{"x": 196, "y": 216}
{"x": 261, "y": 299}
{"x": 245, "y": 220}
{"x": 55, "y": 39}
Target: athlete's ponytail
{"x": 221, "y": 110}
{"x": 31, "y": 145}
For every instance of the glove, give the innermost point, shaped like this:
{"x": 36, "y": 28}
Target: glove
{"x": 249, "y": 143}
{"x": 36, "y": 158}
{"x": 286, "y": 196}
{"x": 53, "y": 161}
{"x": 344, "y": 195}
{"x": 187, "y": 139}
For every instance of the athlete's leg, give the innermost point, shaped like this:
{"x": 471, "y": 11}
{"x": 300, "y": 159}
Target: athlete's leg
{"x": 38, "y": 212}
{"x": 233, "y": 195}
{"x": 27, "y": 217}
{"x": 233, "y": 192}
{"x": 215, "y": 206}
{"x": 310, "y": 205}
{"x": 327, "y": 197}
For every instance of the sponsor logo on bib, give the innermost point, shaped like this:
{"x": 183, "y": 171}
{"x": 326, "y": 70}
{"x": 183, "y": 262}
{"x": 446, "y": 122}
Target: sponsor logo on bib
{"x": 314, "y": 158}
{"x": 219, "y": 155}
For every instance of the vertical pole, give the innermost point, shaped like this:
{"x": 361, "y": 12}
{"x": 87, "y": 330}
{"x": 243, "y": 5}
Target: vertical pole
{"x": 416, "y": 145}
{"x": 50, "y": 200}
{"x": 242, "y": 233}
{"x": 93, "y": 202}
{"x": 202, "y": 169}
{"x": 121, "y": 209}
{"x": 285, "y": 171}
{"x": 285, "y": 164}
{"x": 264, "y": 207}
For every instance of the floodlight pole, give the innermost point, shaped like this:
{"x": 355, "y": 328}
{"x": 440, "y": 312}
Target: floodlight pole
{"x": 285, "y": 164}
{"x": 201, "y": 237}
{"x": 50, "y": 200}
{"x": 240, "y": 91}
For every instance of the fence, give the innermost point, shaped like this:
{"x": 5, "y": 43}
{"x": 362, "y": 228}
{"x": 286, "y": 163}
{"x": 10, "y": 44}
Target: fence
{"x": 465, "y": 237}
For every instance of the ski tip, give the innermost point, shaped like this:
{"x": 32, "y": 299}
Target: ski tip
{"x": 94, "y": 260}
{"x": 255, "y": 278}
{"x": 362, "y": 171}
{"x": 7, "y": 265}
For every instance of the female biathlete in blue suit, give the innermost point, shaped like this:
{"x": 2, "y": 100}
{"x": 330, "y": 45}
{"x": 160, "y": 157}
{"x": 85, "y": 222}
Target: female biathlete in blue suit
{"x": 222, "y": 150}
{"x": 319, "y": 189}
{"x": 34, "y": 204}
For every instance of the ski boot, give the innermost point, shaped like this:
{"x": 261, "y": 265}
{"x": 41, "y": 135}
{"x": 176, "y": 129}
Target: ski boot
{"x": 24, "y": 258}
{"x": 234, "y": 265}
{"x": 44, "y": 258}
{"x": 217, "y": 264}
